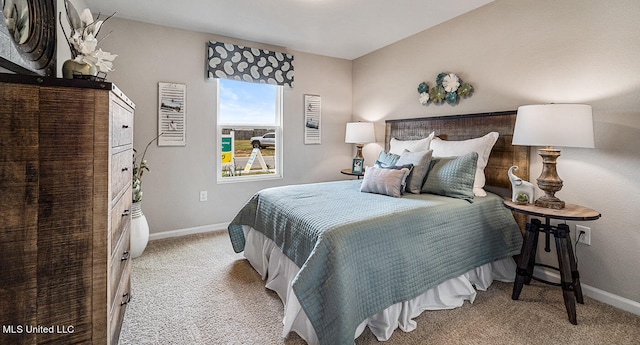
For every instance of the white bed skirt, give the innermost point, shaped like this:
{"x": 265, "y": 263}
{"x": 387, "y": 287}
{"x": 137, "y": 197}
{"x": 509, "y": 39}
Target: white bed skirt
{"x": 278, "y": 270}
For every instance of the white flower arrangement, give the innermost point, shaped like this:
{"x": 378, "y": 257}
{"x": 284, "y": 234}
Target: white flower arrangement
{"x": 83, "y": 40}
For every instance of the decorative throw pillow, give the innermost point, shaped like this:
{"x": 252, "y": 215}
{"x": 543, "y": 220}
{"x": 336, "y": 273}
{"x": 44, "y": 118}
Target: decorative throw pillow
{"x": 386, "y": 159}
{"x": 452, "y": 176}
{"x": 406, "y": 175}
{"x": 384, "y": 181}
{"x": 398, "y": 146}
{"x": 482, "y": 146}
{"x": 420, "y": 161}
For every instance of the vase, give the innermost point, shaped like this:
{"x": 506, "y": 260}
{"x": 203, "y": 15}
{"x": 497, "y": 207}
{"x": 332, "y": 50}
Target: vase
{"x": 84, "y": 70}
{"x": 139, "y": 231}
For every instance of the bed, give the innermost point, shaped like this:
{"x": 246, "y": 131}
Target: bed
{"x": 342, "y": 260}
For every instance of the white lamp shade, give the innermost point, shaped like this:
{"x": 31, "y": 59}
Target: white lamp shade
{"x": 561, "y": 125}
{"x": 360, "y": 133}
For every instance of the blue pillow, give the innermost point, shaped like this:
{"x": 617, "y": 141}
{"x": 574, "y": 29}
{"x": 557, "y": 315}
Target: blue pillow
{"x": 452, "y": 176}
{"x": 386, "y": 159}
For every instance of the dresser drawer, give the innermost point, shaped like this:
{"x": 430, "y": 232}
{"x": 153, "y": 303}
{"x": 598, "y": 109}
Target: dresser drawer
{"x": 119, "y": 261}
{"x": 119, "y": 305}
{"x": 121, "y": 124}
{"x": 120, "y": 219}
{"x": 121, "y": 172}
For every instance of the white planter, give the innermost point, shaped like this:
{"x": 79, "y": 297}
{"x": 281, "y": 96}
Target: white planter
{"x": 139, "y": 231}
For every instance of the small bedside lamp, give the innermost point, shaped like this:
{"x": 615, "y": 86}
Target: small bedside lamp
{"x": 359, "y": 133}
{"x": 564, "y": 125}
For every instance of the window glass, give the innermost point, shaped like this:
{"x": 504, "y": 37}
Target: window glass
{"x": 249, "y": 131}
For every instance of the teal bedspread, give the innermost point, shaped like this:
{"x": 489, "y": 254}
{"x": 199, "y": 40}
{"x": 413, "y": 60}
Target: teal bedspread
{"x": 359, "y": 253}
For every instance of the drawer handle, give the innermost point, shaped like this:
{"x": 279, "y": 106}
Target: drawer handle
{"x": 125, "y": 213}
{"x": 125, "y": 126}
{"x": 126, "y": 299}
{"x": 125, "y": 169}
{"x": 125, "y": 256}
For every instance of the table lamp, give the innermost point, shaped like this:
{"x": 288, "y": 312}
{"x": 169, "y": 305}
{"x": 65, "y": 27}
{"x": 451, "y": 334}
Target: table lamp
{"x": 549, "y": 125}
{"x": 359, "y": 133}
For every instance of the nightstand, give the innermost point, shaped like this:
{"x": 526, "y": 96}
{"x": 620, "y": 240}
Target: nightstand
{"x": 569, "y": 276}
{"x": 348, "y": 172}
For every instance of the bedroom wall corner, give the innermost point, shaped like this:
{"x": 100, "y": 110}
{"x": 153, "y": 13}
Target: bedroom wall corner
{"x": 530, "y": 52}
{"x": 177, "y": 174}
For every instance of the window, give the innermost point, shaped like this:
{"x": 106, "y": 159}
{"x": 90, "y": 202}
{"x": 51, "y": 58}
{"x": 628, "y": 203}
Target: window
{"x": 249, "y": 131}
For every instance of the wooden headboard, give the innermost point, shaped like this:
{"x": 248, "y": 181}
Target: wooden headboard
{"x": 468, "y": 126}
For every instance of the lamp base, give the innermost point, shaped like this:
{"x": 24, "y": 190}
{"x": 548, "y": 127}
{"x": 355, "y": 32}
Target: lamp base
{"x": 549, "y": 181}
{"x": 359, "y": 151}
{"x": 554, "y": 203}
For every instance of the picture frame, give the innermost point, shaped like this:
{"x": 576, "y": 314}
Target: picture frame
{"x": 357, "y": 166}
{"x": 172, "y": 121}
{"x": 312, "y": 119}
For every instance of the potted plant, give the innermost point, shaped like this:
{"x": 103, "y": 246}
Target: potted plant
{"x": 522, "y": 198}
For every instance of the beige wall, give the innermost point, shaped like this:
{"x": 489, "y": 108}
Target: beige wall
{"x": 149, "y": 54}
{"x": 529, "y": 52}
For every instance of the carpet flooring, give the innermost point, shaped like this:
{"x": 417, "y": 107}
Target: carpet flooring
{"x": 196, "y": 290}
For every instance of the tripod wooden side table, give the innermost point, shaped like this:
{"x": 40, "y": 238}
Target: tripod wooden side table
{"x": 569, "y": 276}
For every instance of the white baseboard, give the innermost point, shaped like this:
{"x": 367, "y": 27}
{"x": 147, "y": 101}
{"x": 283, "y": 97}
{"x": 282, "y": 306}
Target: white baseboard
{"x": 597, "y": 294}
{"x": 188, "y": 231}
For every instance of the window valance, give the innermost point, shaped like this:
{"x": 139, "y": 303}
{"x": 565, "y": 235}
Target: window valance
{"x": 229, "y": 61}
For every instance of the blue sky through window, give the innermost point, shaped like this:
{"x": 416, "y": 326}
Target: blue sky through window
{"x": 247, "y": 103}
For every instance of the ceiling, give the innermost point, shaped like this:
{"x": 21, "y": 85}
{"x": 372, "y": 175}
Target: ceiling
{"x": 338, "y": 28}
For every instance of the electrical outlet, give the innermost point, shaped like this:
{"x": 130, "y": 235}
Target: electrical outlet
{"x": 203, "y": 195}
{"x": 586, "y": 237}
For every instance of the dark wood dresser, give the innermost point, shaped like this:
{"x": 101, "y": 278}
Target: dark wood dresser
{"x": 65, "y": 197}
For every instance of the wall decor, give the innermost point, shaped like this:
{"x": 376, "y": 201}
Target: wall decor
{"x": 28, "y": 36}
{"x": 312, "y": 116}
{"x": 172, "y": 122}
{"x": 449, "y": 88}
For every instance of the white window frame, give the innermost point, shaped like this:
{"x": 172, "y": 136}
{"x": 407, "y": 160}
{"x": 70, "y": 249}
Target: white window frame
{"x": 277, "y": 128}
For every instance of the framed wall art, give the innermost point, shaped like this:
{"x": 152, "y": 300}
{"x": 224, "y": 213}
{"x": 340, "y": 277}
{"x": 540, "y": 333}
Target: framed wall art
{"x": 312, "y": 117}
{"x": 172, "y": 122}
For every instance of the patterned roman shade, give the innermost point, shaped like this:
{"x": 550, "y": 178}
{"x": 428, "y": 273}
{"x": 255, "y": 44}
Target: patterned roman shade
{"x": 230, "y": 61}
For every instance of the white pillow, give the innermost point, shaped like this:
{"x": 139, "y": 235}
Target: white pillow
{"x": 482, "y": 145}
{"x": 398, "y": 146}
